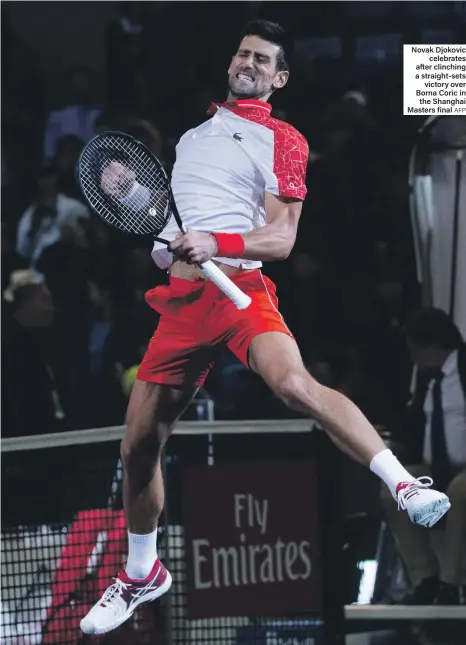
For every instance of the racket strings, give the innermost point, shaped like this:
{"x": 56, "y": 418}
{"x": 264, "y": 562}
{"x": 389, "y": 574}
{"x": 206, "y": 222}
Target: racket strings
{"x": 147, "y": 210}
{"x": 132, "y": 220}
{"x": 137, "y": 163}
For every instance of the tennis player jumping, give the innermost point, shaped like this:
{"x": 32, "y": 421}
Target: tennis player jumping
{"x": 239, "y": 184}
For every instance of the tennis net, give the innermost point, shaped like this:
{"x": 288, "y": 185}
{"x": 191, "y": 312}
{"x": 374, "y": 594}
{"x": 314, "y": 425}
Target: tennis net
{"x": 241, "y": 533}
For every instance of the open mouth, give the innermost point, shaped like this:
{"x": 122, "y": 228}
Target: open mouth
{"x": 245, "y": 77}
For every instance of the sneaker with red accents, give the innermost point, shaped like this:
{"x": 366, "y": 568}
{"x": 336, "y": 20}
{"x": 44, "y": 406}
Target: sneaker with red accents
{"x": 424, "y": 505}
{"x": 122, "y": 597}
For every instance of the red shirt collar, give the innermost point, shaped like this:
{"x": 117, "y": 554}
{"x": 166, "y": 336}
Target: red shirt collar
{"x": 241, "y": 105}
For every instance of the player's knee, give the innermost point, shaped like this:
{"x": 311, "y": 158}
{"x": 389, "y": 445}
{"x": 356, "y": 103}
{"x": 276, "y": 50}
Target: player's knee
{"x": 296, "y": 390}
{"x": 139, "y": 462}
{"x": 140, "y": 453}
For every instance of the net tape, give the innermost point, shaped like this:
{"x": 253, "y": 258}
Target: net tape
{"x": 190, "y": 428}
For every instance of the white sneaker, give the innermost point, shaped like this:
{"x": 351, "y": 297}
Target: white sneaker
{"x": 423, "y": 505}
{"x": 122, "y": 597}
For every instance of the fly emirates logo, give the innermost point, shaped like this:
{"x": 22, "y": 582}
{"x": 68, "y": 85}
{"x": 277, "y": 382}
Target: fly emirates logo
{"x": 253, "y": 557}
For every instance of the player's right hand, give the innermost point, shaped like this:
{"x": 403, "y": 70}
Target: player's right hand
{"x": 117, "y": 180}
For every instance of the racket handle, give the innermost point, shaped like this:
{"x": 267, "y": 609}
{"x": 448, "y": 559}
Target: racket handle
{"x": 223, "y": 282}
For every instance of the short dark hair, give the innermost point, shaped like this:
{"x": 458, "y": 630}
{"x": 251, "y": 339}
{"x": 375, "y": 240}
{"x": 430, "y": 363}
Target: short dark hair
{"x": 432, "y": 327}
{"x": 273, "y": 33}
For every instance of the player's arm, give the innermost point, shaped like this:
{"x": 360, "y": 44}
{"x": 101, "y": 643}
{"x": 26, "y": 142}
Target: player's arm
{"x": 285, "y": 191}
{"x": 275, "y": 240}
{"x": 271, "y": 242}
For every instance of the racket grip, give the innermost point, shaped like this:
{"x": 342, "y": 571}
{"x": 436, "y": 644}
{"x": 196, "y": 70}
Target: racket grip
{"x": 223, "y": 282}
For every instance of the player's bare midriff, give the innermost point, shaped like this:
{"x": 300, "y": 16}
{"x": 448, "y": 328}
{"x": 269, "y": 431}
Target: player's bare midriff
{"x": 191, "y": 272}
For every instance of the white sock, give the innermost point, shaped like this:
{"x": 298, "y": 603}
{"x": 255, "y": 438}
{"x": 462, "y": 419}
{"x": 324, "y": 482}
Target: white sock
{"x": 142, "y": 555}
{"x": 386, "y": 466}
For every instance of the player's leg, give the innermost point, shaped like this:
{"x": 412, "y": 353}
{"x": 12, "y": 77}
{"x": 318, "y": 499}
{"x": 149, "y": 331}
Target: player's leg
{"x": 152, "y": 414}
{"x": 260, "y": 338}
{"x": 276, "y": 357}
{"x": 176, "y": 363}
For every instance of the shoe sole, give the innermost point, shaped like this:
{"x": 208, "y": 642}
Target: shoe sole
{"x": 164, "y": 587}
{"x": 441, "y": 509}
{"x": 438, "y": 510}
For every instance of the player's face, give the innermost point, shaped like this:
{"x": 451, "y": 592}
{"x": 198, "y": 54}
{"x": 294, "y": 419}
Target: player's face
{"x": 253, "y": 71}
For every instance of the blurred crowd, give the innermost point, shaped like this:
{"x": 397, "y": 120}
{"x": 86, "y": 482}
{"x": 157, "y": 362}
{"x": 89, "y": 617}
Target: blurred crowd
{"x": 74, "y": 315}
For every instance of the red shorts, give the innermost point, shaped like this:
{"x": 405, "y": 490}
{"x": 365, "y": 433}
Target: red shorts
{"x": 197, "y": 319}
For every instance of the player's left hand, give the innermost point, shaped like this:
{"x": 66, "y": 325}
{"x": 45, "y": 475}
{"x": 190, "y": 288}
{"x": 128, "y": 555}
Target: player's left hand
{"x": 194, "y": 247}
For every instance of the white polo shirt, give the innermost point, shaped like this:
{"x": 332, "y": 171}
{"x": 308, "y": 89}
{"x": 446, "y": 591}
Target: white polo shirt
{"x": 454, "y": 412}
{"x": 225, "y": 166}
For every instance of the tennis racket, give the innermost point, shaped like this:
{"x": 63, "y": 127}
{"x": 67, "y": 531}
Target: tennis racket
{"x": 127, "y": 187}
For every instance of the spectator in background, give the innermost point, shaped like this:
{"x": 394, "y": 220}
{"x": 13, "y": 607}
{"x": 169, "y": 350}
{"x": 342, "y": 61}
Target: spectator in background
{"x": 11, "y": 261}
{"x": 82, "y": 251}
{"x": 104, "y": 252}
{"x": 340, "y": 368}
{"x": 437, "y": 419}
{"x": 381, "y": 346}
{"x": 127, "y": 56}
{"x": 32, "y": 401}
{"x": 135, "y": 320}
{"x": 145, "y": 132}
{"x": 40, "y": 224}
{"x": 335, "y": 367}
{"x": 66, "y": 265}
{"x": 69, "y": 148}
{"x": 118, "y": 338}
{"x": 104, "y": 122}
{"x": 77, "y": 117}
{"x": 139, "y": 273}
{"x": 107, "y": 404}
{"x": 35, "y": 401}
{"x": 23, "y": 112}
{"x": 345, "y": 185}
{"x": 317, "y": 319}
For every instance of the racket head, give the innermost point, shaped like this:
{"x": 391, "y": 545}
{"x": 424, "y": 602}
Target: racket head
{"x": 114, "y": 161}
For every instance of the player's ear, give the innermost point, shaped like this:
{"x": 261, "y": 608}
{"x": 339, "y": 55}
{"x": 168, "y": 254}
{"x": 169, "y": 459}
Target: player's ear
{"x": 280, "y": 80}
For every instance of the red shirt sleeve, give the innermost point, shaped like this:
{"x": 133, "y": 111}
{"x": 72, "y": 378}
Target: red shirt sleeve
{"x": 291, "y": 153}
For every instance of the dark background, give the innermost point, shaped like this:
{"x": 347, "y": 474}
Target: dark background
{"x": 345, "y": 291}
